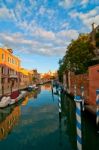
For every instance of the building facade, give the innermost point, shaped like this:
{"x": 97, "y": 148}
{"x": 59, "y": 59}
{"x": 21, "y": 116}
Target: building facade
{"x": 9, "y": 71}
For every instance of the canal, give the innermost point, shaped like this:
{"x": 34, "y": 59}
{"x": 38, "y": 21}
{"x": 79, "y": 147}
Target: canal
{"x": 34, "y": 123}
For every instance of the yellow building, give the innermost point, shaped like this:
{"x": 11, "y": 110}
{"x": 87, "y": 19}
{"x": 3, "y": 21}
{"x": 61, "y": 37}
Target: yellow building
{"x": 9, "y": 70}
{"x": 25, "y": 77}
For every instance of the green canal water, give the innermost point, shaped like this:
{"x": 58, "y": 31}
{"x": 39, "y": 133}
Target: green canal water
{"x": 34, "y": 124}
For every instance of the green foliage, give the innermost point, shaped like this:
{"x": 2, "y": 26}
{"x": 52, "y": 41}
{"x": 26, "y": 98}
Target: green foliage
{"x": 97, "y": 39}
{"x": 97, "y": 35}
{"x": 61, "y": 70}
{"x": 34, "y": 79}
{"x": 78, "y": 56}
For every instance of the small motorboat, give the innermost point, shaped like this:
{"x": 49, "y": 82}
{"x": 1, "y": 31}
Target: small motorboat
{"x": 32, "y": 87}
{"x": 4, "y": 101}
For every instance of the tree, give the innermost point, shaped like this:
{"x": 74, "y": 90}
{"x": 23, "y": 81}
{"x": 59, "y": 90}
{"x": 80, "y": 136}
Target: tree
{"x": 78, "y": 56}
{"x": 61, "y": 69}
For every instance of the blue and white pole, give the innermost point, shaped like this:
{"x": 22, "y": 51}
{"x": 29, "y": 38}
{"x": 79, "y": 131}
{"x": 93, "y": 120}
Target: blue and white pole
{"x": 78, "y": 101}
{"x": 59, "y": 102}
{"x": 97, "y": 109}
{"x": 82, "y": 95}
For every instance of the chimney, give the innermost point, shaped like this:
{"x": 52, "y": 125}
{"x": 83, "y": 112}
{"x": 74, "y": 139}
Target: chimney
{"x": 93, "y": 27}
{"x": 10, "y": 50}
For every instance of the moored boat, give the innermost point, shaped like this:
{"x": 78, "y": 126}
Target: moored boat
{"x": 4, "y": 101}
{"x": 32, "y": 87}
{"x": 20, "y": 96}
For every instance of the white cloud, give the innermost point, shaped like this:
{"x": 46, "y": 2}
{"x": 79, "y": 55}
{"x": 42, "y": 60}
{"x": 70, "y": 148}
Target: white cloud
{"x": 65, "y": 25}
{"x": 65, "y": 3}
{"x": 87, "y": 18}
{"x": 68, "y": 35}
{"x": 42, "y": 10}
{"x": 48, "y": 12}
{"x": 83, "y": 2}
{"x": 5, "y": 13}
{"x": 47, "y": 43}
{"x": 44, "y": 34}
{"x": 35, "y": 39}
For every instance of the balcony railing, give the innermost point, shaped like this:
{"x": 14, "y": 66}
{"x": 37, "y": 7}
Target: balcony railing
{"x": 13, "y": 76}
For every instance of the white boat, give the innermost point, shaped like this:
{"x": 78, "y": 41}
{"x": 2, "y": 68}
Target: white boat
{"x": 15, "y": 100}
{"x": 4, "y": 101}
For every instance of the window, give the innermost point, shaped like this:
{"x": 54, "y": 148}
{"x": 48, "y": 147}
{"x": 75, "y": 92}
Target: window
{"x": 8, "y": 71}
{"x": 2, "y": 70}
{"x": 8, "y": 59}
{"x": 2, "y": 80}
{"x": 2, "y": 56}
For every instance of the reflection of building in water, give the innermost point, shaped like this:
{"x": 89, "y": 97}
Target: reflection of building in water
{"x": 39, "y": 89}
{"x": 34, "y": 94}
{"x": 5, "y": 112}
{"x": 11, "y": 120}
{"x": 68, "y": 110}
{"x": 46, "y": 87}
{"x": 89, "y": 138}
{"x": 25, "y": 101}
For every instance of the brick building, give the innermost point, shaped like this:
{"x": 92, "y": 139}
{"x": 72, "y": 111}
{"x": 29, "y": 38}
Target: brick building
{"x": 90, "y": 82}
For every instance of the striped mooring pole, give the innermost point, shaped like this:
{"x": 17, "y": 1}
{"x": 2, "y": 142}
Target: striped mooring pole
{"x": 78, "y": 101}
{"x": 82, "y": 95}
{"x": 97, "y": 110}
{"x": 59, "y": 103}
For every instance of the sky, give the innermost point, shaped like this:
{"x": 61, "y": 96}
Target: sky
{"x": 39, "y": 31}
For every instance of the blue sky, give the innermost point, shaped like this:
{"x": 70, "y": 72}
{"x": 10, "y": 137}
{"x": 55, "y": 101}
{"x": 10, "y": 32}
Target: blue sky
{"x": 40, "y": 30}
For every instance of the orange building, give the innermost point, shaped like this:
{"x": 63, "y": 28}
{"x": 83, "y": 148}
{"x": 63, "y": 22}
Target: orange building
{"x": 9, "y": 70}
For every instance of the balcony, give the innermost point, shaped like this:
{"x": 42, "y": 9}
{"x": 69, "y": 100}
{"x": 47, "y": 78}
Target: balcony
{"x": 14, "y": 76}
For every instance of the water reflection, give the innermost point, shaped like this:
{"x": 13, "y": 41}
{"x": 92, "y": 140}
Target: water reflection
{"x": 46, "y": 87}
{"x": 69, "y": 112}
{"x": 90, "y": 139}
{"x": 9, "y": 116}
{"x": 25, "y": 101}
{"x": 35, "y": 123}
{"x": 33, "y": 94}
{"x": 9, "y": 122}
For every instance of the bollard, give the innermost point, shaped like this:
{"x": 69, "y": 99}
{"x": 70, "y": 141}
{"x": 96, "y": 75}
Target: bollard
{"x": 59, "y": 103}
{"x": 78, "y": 101}
{"x": 82, "y": 94}
{"x": 97, "y": 109}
